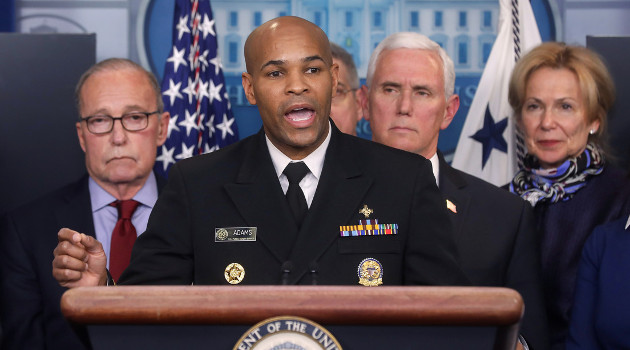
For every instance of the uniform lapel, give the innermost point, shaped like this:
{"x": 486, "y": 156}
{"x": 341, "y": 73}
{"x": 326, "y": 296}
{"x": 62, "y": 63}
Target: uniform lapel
{"x": 259, "y": 199}
{"x": 340, "y": 191}
{"x": 452, "y": 187}
{"x": 160, "y": 182}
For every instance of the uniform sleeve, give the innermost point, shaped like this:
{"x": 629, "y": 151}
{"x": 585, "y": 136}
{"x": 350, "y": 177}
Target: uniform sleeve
{"x": 21, "y": 307}
{"x": 163, "y": 254}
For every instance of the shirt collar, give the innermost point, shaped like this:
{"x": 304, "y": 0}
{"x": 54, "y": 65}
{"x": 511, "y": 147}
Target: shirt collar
{"x": 435, "y": 164}
{"x": 314, "y": 161}
{"x": 628, "y": 222}
{"x": 100, "y": 198}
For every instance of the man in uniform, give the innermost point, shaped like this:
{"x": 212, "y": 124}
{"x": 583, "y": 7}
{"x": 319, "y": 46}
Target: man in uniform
{"x": 298, "y": 202}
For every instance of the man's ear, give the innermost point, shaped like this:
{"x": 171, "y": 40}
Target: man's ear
{"x": 248, "y": 86}
{"x": 358, "y": 96}
{"x": 452, "y": 105}
{"x": 81, "y": 136}
{"x": 362, "y": 98}
{"x": 162, "y": 132}
{"x": 334, "y": 73}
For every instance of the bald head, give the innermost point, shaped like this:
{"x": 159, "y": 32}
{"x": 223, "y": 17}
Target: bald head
{"x": 262, "y": 38}
{"x": 291, "y": 78}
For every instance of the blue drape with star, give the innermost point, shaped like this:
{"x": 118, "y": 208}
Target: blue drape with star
{"x": 7, "y": 16}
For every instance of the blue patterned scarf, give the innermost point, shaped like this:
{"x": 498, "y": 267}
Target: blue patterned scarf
{"x": 537, "y": 185}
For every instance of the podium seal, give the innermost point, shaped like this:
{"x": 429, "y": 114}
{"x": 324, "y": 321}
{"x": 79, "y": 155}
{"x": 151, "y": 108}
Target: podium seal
{"x": 287, "y": 332}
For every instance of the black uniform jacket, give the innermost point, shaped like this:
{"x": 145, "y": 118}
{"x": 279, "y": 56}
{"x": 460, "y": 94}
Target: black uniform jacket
{"x": 237, "y": 187}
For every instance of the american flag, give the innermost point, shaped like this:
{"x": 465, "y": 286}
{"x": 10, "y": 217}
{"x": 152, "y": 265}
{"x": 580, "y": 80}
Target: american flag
{"x": 193, "y": 89}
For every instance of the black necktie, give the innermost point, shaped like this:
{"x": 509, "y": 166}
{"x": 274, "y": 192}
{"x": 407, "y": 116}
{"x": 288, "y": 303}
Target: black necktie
{"x": 297, "y": 202}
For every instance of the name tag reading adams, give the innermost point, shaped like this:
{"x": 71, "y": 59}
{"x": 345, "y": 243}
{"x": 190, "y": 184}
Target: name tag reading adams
{"x": 232, "y": 234}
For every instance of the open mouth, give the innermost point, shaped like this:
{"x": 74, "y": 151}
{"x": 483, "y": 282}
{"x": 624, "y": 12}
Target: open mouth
{"x": 300, "y": 116}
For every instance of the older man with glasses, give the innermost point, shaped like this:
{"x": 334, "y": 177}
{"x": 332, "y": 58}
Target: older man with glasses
{"x": 112, "y": 202}
{"x": 345, "y": 109}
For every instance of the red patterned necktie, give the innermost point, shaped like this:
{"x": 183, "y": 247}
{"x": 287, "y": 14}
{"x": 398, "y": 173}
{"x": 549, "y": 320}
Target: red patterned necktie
{"x": 123, "y": 238}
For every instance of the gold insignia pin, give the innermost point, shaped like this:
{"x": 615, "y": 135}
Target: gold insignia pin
{"x": 370, "y": 272}
{"x": 221, "y": 234}
{"x": 451, "y": 206}
{"x": 234, "y": 273}
{"x": 366, "y": 211}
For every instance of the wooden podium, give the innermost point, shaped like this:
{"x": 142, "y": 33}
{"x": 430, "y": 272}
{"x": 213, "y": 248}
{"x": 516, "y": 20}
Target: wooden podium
{"x": 165, "y": 317}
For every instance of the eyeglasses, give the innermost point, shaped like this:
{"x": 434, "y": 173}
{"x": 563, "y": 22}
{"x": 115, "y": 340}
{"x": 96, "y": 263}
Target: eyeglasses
{"x": 341, "y": 93}
{"x": 103, "y": 123}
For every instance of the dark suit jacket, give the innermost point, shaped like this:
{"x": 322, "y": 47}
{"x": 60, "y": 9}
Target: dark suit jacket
{"x": 565, "y": 226}
{"x": 599, "y": 319}
{"x": 497, "y": 242}
{"x": 238, "y": 187}
{"x": 31, "y": 316}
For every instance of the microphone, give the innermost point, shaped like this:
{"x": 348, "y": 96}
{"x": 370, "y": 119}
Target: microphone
{"x": 312, "y": 268}
{"x": 285, "y": 270}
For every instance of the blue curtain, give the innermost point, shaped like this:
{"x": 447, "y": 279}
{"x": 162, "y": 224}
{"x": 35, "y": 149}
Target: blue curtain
{"x": 7, "y": 16}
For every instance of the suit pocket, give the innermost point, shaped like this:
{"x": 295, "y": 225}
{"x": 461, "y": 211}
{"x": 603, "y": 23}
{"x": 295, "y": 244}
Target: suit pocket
{"x": 369, "y": 244}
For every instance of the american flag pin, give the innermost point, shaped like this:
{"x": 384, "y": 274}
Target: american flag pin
{"x": 451, "y": 206}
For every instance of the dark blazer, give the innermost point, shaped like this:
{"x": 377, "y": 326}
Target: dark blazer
{"x": 238, "y": 187}
{"x": 30, "y": 296}
{"x": 565, "y": 226}
{"x": 599, "y": 319}
{"x": 31, "y": 317}
{"x": 497, "y": 242}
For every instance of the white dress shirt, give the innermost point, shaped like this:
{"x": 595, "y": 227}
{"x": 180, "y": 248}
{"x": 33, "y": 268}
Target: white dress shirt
{"x": 105, "y": 216}
{"x": 435, "y": 164}
{"x": 314, "y": 162}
